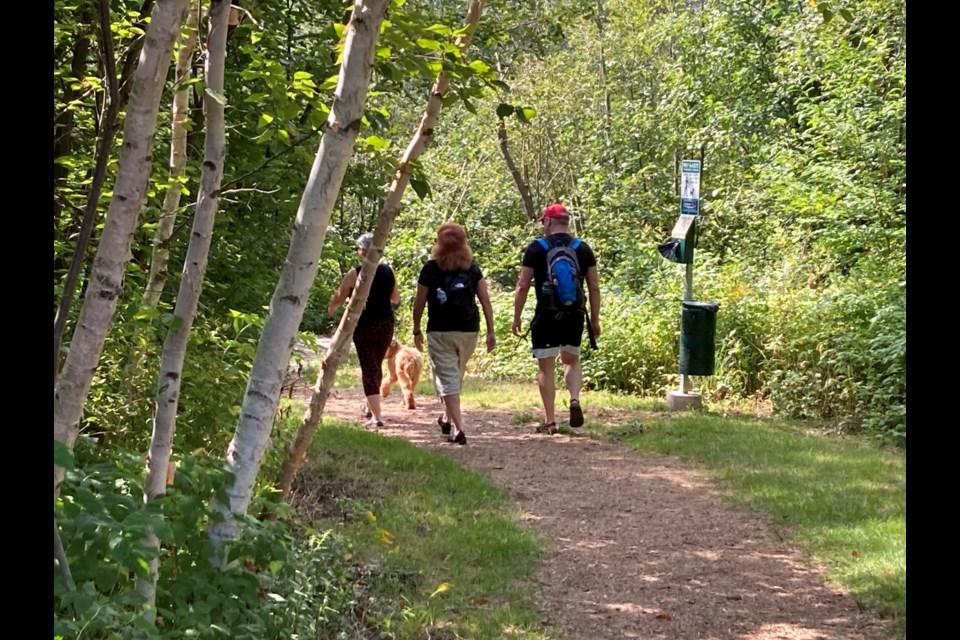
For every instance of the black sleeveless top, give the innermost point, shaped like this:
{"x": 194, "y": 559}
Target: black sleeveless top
{"x": 378, "y": 305}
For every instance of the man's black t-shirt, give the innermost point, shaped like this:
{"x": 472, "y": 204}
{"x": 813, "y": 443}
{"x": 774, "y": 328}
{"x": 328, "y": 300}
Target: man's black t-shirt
{"x": 444, "y": 316}
{"x": 535, "y": 257}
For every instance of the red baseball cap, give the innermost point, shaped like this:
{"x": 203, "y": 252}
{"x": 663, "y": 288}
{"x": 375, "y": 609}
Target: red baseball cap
{"x": 556, "y": 210}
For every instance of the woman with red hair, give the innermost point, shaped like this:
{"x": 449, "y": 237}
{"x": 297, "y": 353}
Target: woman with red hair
{"x": 449, "y": 286}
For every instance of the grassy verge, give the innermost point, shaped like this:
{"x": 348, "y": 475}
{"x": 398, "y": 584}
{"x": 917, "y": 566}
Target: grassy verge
{"x": 450, "y": 555}
{"x": 840, "y": 500}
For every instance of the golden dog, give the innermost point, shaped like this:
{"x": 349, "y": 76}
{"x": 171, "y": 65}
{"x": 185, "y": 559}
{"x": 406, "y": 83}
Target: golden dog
{"x": 404, "y": 365}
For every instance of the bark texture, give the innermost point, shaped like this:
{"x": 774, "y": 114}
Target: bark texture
{"x": 252, "y": 434}
{"x": 178, "y": 160}
{"x": 106, "y": 279}
{"x": 191, "y": 284}
{"x": 101, "y": 156}
{"x": 340, "y": 342}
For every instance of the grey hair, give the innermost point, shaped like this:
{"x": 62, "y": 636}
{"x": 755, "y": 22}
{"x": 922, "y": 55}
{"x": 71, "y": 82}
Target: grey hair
{"x": 365, "y": 240}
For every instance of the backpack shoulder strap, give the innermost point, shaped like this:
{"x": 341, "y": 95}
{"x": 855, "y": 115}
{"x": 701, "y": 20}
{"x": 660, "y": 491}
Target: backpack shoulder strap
{"x": 543, "y": 243}
{"x": 575, "y": 244}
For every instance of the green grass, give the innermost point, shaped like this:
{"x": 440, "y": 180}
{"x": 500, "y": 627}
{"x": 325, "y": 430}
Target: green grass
{"x": 842, "y": 501}
{"x": 460, "y": 557}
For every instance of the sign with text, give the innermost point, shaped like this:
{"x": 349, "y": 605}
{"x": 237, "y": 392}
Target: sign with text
{"x": 690, "y": 187}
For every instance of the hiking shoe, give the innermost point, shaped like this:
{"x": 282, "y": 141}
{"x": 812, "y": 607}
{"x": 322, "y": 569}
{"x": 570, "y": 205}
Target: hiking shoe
{"x": 444, "y": 426}
{"x": 460, "y": 438}
{"x": 550, "y": 427}
{"x": 576, "y": 414}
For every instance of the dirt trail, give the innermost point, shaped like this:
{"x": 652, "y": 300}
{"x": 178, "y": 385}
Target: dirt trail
{"x": 644, "y": 546}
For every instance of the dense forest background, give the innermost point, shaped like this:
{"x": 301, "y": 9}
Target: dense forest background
{"x": 797, "y": 111}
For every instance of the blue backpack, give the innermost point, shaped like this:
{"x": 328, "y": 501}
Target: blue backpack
{"x": 563, "y": 290}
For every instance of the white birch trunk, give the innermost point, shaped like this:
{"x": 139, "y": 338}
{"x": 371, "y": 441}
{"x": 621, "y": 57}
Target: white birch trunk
{"x": 191, "y": 283}
{"x": 246, "y": 449}
{"x": 106, "y": 278}
{"x": 178, "y": 159}
{"x": 340, "y": 343}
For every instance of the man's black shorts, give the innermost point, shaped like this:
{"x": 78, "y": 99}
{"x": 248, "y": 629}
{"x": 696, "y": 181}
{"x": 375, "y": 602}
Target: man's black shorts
{"x": 557, "y": 329}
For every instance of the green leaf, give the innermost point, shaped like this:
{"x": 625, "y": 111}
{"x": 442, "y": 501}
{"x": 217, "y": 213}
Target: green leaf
{"x": 265, "y": 119}
{"x": 847, "y": 14}
{"x": 428, "y": 44}
{"x": 216, "y": 95}
{"x": 172, "y": 322}
{"x": 440, "y": 29}
{"x": 504, "y": 110}
{"x": 62, "y": 457}
{"x": 479, "y": 66}
{"x": 421, "y": 187}
{"x": 377, "y": 143}
{"x": 329, "y": 83}
{"x": 469, "y": 106}
{"x": 148, "y": 313}
{"x": 525, "y": 114}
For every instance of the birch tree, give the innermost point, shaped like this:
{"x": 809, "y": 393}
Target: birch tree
{"x": 180, "y": 112}
{"x": 340, "y": 343}
{"x": 191, "y": 283}
{"x": 252, "y": 434}
{"x": 106, "y": 278}
{"x": 105, "y": 143}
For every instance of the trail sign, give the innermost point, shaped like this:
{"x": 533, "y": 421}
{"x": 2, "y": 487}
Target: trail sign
{"x": 690, "y": 179}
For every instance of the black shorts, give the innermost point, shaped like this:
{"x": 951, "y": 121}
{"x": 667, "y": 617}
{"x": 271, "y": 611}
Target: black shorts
{"x": 551, "y": 329}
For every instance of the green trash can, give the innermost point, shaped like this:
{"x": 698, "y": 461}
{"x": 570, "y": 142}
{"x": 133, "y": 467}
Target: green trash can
{"x": 698, "y": 328}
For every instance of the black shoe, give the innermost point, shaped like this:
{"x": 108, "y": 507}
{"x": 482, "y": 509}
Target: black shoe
{"x": 576, "y": 414}
{"x": 550, "y": 427}
{"x": 460, "y": 438}
{"x": 444, "y": 426}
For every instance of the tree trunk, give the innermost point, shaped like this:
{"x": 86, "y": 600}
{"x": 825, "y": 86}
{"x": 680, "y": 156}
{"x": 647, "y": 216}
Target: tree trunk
{"x": 191, "y": 283}
{"x": 101, "y": 156}
{"x": 340, "y": 344}
{"x": 106, "y": 278}
{"x": 178, "y": 159}
{"x": 63, "y": 122}
{"x": 252, "y": 434}
{"x": 522, "y": 186}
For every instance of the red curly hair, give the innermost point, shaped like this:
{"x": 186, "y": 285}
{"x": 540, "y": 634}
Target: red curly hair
{"x": 451, "y": 250}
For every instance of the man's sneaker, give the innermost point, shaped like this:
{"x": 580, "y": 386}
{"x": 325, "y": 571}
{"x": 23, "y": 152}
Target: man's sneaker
{"x": 460, "y": 438}
{"x": 444, "y": 426}
{"x": 550, "y": 427}
{"x": 375, "y": 424}
{"x": 576, "y": 414}
{"x": 365, "y": 411}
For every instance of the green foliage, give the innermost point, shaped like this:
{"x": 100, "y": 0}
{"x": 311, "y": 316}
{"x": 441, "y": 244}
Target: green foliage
{"x": 841, "y": 500}
{"x": 278, "y": 585}
{"x": 841, "y": 355}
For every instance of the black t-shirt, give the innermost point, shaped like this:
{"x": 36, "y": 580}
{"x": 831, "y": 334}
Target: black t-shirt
{"x": 535, "y": 257}
{"x": 447, "y": 315}
{"x": 378, "y": 305}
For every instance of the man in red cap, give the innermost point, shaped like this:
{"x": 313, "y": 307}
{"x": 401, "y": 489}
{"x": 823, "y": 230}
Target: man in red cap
{"x": 557, "y": 331}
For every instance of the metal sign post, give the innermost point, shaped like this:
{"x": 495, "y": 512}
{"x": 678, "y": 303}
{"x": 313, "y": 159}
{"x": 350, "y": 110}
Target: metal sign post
{"x": 689, "y": 205}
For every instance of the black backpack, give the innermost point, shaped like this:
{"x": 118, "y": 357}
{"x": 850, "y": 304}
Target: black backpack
{"x": 458, "y": 290}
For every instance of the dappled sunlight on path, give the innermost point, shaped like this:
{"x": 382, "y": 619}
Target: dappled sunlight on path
{"x": 642, "y": 546}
